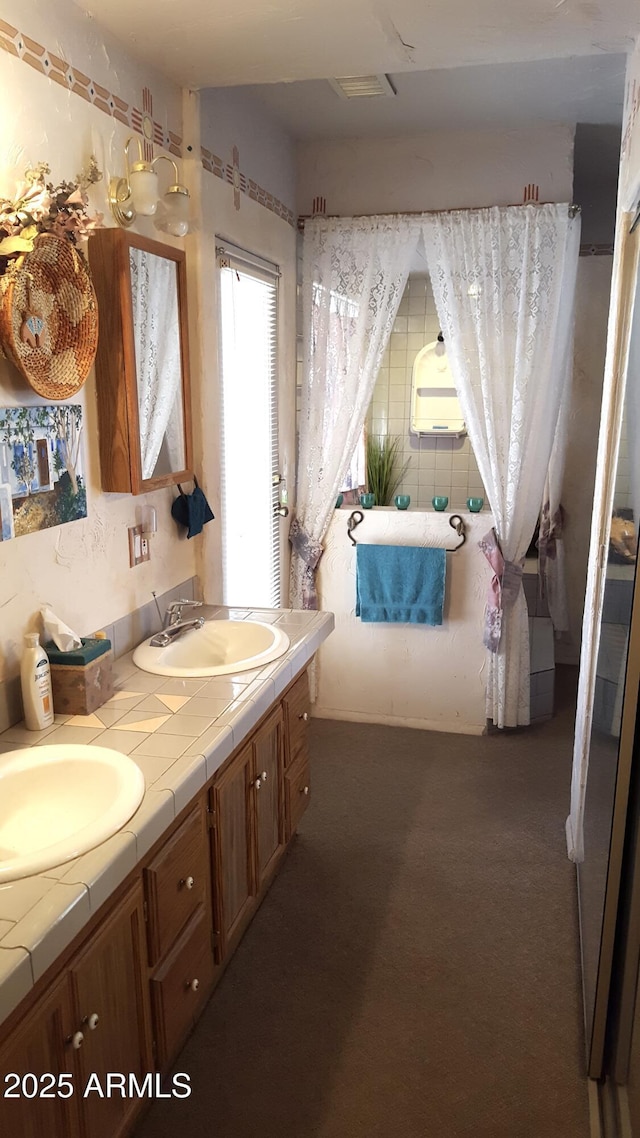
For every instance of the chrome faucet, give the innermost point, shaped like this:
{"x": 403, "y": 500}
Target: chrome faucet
{"x": 175, "y": 629}
{"x": 173, "y": 614}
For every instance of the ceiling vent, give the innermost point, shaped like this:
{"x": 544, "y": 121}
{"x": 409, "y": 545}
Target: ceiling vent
{"x": 363, "y": 87}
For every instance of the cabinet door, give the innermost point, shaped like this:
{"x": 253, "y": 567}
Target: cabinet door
{"x": 297, "y": 706}
{"x": 297, "y": 793}
{"x": 180, "y": 987}
{"x": 233, "y": 863}
{"x": 41, "y": 1045}
{"x": 266, "y": 788}
{"x": 177, "y": 882}
{"x": 110, "y": 999}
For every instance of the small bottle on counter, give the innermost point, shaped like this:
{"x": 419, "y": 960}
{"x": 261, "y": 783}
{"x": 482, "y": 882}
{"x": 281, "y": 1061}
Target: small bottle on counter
{"x": 35, "y": 677}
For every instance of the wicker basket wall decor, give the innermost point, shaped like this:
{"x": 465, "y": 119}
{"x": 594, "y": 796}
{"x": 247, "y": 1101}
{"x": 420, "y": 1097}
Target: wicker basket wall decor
{"x": 49, "y": 317}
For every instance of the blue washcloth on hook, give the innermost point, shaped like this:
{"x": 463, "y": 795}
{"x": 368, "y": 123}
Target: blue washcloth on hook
{"x": 400, "y": 584}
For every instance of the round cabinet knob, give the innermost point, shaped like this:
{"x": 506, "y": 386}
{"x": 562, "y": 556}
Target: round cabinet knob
{"x": 258, "y": 783}
{"x": 193, "y": 985}
{"x": 305, "y": 790}
{"x": 77, "y": 1039}
{"x": 264, "y": 776}
{"x": 305, "y": 716}
{"x": 188, "y": 882}
{"x": 92, "y": 1021}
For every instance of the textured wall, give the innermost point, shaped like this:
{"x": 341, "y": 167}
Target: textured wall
{"x": 413, "y": 675}
{"x": 266, "y": 154}
{"x": 67, "y": 90}
{"x": 440, "y": 170}
{"x": 81, "y": 569}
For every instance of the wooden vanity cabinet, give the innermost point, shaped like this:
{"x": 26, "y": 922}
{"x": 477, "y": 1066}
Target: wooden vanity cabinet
{"x": 93, "y": 1020}
{"x": 136, "y": 984}
{"x": 111, "y": 1003}
{"x": 177, "y": 882}
{"x": 181, "y": 986}
{"x": 248, "y": 829}
{"x": 180, "y": 935}
{"x": 296, "y": 706}
{"x": 41, "y": 1045}
{"x": 268, "y": 810}
{"x": 231, "y": 850}
{"x": 297, "y": 790}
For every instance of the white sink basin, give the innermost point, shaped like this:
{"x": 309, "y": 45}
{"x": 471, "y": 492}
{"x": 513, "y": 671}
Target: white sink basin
{"x": 217, "y": 649}
{"x": 58, "y": 801}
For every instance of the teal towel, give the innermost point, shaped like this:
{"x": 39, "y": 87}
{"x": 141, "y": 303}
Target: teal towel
{"x": 401, "y": 584}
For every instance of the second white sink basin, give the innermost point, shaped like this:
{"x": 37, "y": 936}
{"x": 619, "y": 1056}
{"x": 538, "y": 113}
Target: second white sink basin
{"x": 219, "y": 648}
{"x": 58, "y": 801}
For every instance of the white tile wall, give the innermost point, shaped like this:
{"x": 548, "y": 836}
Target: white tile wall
{"x": 436, "y": 465}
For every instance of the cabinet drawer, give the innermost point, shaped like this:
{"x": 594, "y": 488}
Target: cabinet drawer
{"x": 176, "y": 883}
{"x": 297, "y": 706}
{"x": 297, "y": 791}
{"x": 181, "y": 986}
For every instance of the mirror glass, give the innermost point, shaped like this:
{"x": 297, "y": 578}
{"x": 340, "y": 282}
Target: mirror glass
{"x": 156, "y": 327}
{"x": 604, "y": 764}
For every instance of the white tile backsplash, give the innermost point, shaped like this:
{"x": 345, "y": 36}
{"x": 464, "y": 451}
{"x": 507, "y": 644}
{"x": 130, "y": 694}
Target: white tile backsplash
{"x": 437, "y": 465}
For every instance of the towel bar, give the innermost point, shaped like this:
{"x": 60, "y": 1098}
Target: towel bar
{"x": 455, "y": 521}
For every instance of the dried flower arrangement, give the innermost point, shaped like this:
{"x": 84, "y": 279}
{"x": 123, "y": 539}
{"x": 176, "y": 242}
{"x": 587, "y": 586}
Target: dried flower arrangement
{"x": 41, "y": 207}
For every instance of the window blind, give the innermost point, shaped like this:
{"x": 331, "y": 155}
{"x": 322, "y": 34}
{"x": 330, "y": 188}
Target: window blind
{"x": 250, "y": 477}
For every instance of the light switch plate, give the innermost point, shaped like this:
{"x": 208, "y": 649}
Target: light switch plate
{"x": 139, "y": 548}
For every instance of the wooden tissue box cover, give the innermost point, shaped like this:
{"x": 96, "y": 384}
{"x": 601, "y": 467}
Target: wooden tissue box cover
{"x": 80, "y": 688}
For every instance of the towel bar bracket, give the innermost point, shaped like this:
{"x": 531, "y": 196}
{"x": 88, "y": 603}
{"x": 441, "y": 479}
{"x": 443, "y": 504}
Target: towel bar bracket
{"x": 455, "y": 521}
{"x": 354, "y": 520}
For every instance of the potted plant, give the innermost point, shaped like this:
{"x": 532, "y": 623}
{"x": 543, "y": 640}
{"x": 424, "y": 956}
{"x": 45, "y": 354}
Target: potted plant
{"x": 384, "y": 471}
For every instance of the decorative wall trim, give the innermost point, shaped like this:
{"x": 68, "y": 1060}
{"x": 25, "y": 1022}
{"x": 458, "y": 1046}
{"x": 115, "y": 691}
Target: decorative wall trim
{"x": 212, "y": 163}
{"x": 57, "y": 69}
{"x": 138, "y": 119}
{"x": 230, "y": 172}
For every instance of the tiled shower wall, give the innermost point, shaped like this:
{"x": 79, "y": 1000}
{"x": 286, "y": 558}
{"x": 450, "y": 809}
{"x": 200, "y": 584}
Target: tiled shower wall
{"x": 436, "y": 465}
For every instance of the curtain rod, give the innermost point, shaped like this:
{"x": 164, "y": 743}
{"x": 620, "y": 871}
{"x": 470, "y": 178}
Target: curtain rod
{"x": 573, "y": 211}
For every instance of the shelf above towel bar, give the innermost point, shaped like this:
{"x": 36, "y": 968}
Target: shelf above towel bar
{"x": 455, "y": 521}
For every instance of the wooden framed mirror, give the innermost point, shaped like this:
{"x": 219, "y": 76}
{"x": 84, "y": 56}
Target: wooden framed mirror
{"x": 142, "y": 364}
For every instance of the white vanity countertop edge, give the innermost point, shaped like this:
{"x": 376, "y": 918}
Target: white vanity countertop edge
{"x": 41, "y": 915}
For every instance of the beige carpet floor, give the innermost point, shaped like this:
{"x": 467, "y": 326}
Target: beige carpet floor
{"x": 413, "y": 972}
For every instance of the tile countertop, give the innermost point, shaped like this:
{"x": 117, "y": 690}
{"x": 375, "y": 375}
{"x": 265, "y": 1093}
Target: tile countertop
{"x": 179, "y": 732}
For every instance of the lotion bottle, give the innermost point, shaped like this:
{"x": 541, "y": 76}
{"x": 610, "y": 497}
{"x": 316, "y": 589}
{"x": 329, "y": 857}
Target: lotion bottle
{"x": 35, "y": 677}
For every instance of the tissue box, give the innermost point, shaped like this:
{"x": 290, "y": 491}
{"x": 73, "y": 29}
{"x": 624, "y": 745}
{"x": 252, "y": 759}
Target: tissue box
{"x": 82, "y": 679}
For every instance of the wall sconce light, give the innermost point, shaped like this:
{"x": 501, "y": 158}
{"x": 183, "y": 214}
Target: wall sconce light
{"x": 137, "y": 193}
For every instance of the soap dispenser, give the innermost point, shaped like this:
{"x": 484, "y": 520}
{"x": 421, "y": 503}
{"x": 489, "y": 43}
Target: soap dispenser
{"x": 35, "y": 677}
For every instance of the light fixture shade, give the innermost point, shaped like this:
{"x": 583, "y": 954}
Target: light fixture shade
{"x": 144, "y": 189}
{"x": 176, "y": 201}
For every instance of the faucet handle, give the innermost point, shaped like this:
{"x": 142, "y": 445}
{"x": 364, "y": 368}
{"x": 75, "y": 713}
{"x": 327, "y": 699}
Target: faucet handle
{"x": 175, "y": 605}
{"x": 174, "y": 610}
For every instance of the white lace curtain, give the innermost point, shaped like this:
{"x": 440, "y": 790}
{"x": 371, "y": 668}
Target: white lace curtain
{"x": 154, "y": 294}
{"x": 354, "y": 274}
{"x": 504, "y": 283}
